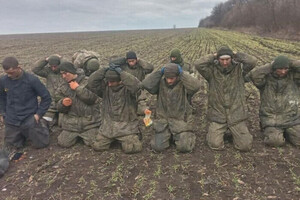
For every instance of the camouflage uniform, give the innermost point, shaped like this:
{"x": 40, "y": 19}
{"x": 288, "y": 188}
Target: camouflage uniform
{"x": 227, "y": 107}
{"x": 179, "y": 60}
{"x": 119, "y": 111}
{"x": 173, "y": 111}
{"x": 53, "y": 82}
{"x": 279, "y": 110}
{"x": 140, "y": 70}
{"x": 81, "y": 58}
{"x": 81, "y": 119}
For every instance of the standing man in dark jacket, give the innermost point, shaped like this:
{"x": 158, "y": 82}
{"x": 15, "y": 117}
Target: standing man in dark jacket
{"x": 278, "y": 83}
{"x": 118, "y": 89}
{"x": 19, "y": 107}
{"x": 49, "y": 68}
{"x": 174, "y": 89}
{"x": 225, "y": 73}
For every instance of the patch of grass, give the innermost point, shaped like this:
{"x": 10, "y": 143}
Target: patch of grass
{"x": 158, "y": 171}
{"x": 150, "y": 191}
{"x": 117, "y": 175}
{"x": 138, "y": 185}
{"x": 217, "y": 160}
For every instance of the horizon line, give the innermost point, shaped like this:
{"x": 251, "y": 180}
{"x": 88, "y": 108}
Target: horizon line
{"x": 82, "y": 31}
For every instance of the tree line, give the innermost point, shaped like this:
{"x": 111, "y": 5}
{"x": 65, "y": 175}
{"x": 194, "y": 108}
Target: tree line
{"x": 264, "y": 15}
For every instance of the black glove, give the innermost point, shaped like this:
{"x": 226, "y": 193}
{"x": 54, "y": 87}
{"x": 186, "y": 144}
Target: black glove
{"x": 113, "y": 65}
{"x": 118, "y": 70}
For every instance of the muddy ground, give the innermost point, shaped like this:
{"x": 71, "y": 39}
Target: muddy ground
{"x": 81, "y": 173}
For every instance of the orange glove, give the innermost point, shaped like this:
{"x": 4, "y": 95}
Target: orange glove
{"x": 67, "y": 101}
{"x": 73, "y": 85}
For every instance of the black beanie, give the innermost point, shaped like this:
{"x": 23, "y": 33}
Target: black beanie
{"x": 224, "y": 50}
{"x": 54, "y": 60}
{"x": 10, "y": 62}
{"x": 112, "y": 75}
{"x": 131, "y": 55}
{"x": 280, "y": 62}
{"x": 67, "y": 67}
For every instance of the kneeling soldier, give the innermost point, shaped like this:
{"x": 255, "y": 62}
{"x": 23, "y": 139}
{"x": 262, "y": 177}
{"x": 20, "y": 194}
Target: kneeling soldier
{"x": 119, "y": 90}
{"x": 278, "y": 83}
{"x": 78, "y": 107}
{"x": 174, "y": 89}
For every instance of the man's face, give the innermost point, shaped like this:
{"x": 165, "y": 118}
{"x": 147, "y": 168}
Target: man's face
{"x": 131, "y": 62}
{"x": 13, "y": 73}
{"x": 225, "y": 62}
{"x": 171, "y": 81}
{"x": 54, "y": 68}
{"x": 173, "y": 58}
{"x": 282, "y": 72}
{"x": 68, "y": 76}
{"x": 113, "y": 83}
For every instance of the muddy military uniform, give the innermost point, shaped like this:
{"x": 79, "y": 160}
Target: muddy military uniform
{"x": 43, "y": 69}
{"x": 86, "y": 60}
{"x": 175, "y": 53}
{"x": 227, "y": 107}
{"x": 279, "y": 109}
{"x": 82, "y": 118}
{"x": 139, "y": 70}
{"x": 119, "y": 108}
{"x": 174, "y": 111}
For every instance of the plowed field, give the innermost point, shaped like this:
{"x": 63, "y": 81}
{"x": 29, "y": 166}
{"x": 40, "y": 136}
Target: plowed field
{"x": 80, "y": 173}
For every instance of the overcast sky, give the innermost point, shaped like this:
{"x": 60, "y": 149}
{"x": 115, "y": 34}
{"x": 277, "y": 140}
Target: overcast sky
{"x": 36, "y": 16}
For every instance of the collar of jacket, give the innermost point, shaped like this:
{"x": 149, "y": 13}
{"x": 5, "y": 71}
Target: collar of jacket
{"x": 226, "y": 70}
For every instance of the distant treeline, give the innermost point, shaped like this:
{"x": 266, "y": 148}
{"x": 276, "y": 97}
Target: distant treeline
{"x": 263, "y": 15}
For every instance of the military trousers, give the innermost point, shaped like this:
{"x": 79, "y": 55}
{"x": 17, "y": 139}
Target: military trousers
{"x": 37, "y": 133}
{"x": 142, "y": 103}
{"x": 130, "y": 143}
{"x": 184, "y": 141}
{"x": 69, "y": 138}
{"x": 242, "y": 138}
{"x": 274, "y": 136}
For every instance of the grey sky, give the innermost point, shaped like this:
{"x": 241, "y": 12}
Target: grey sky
{"x": 32, "y": 16}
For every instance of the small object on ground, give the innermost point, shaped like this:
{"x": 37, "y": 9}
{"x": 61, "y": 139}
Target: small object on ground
{"x": 18, "y": 156}
{"x": 147, "y": 119}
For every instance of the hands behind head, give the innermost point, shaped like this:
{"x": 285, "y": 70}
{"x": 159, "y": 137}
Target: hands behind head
{"x": 179, "y": 69}
{"x": 162, "y": 70}
{"x": 178, "y": 66}
{"x": 115, "y": 68}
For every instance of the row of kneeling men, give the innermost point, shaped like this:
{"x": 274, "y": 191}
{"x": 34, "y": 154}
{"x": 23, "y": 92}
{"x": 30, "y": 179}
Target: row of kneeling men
{"x": 102, "y": 104}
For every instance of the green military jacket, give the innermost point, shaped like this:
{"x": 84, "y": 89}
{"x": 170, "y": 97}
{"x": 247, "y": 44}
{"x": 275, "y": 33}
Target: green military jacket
{"x": 53, "y": 79}
{"x": 140, "y": 70}
{"x": 279, "y": 96}
{"x": 119, "y": 104}
{"x": 173, "y": 102}
{"x": 84, "y": 113}
{"x": 226, "y": 95}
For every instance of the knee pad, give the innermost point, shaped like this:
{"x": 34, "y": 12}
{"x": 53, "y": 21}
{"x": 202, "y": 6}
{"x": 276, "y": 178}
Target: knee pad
{"x": 186, "y": 142}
